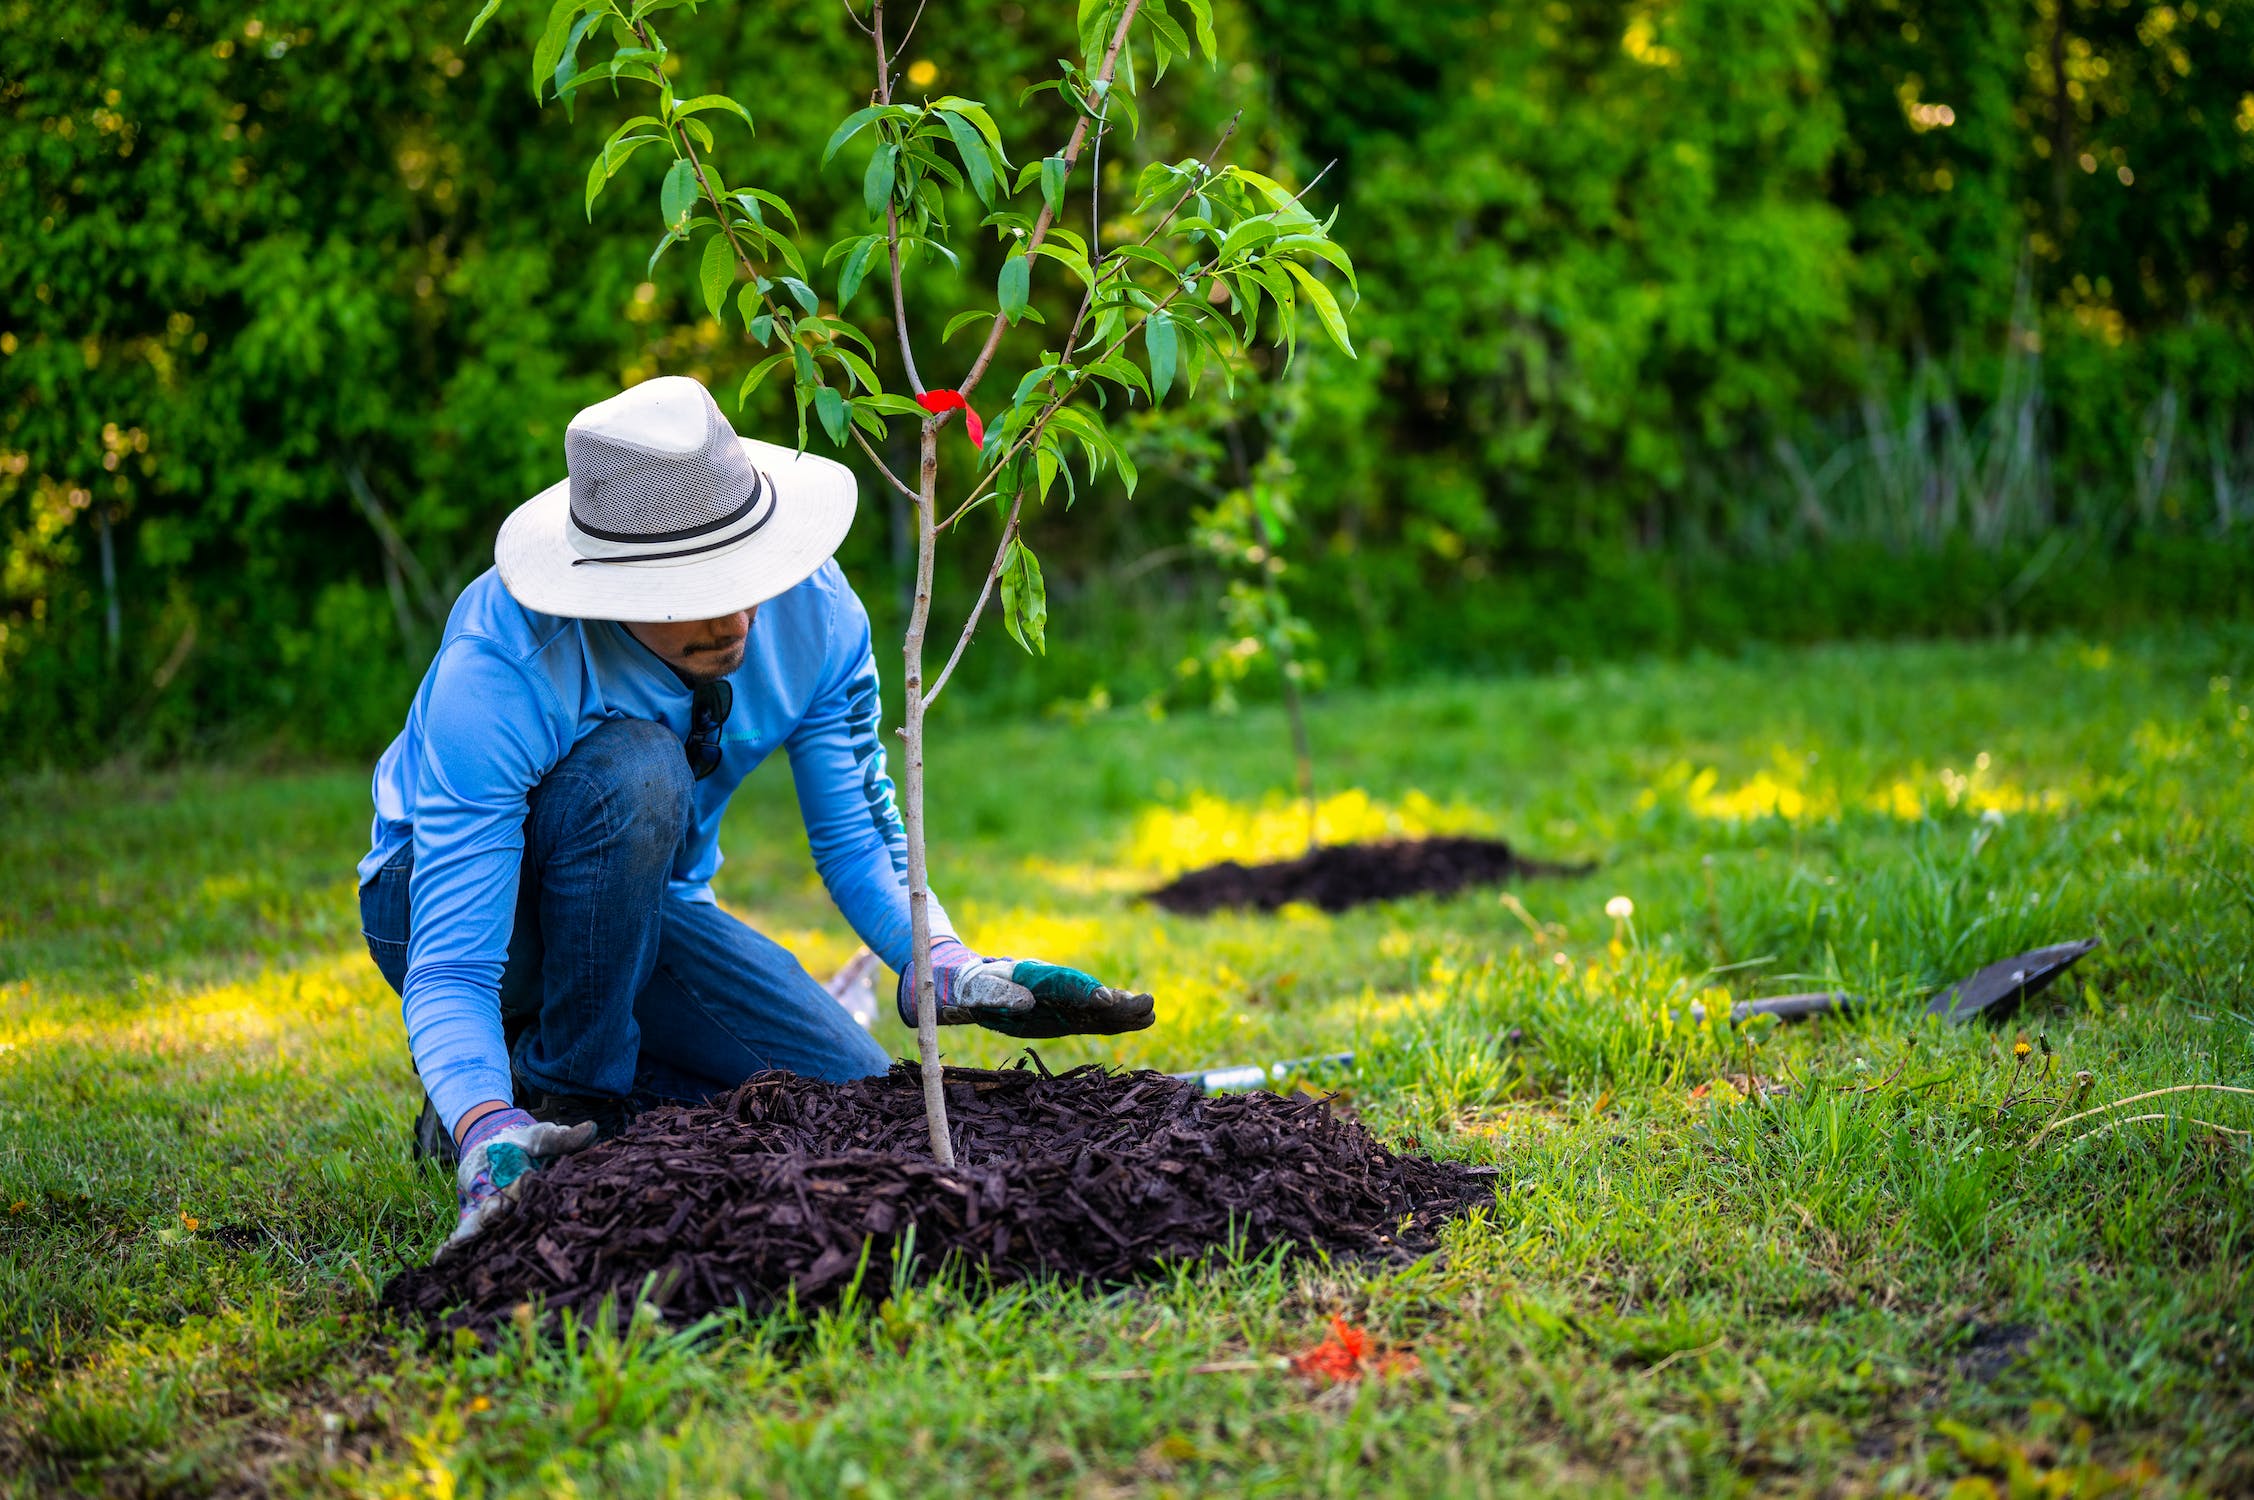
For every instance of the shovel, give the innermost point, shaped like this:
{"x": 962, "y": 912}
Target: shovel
{"x": 1993, "y": 992}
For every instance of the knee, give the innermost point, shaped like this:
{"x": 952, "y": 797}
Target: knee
{"x": 627, "y": 782}
{"x": 858, "y": 1056}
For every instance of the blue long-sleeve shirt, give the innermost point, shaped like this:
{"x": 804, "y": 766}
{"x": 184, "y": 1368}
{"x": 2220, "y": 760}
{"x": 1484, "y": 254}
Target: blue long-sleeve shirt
{"x": 508, "y": 696}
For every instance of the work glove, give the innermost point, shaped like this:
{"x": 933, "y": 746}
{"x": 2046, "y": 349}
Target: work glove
{"x": 498, "y": 1153}
{"x": 1022, "y": 998}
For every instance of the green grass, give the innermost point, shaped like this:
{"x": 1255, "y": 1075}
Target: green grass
{"x": 1872, "y": 1280}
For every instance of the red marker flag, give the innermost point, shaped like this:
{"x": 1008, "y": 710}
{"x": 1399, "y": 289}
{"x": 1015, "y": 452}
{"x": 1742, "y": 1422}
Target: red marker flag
{"x": 939, "y": 401}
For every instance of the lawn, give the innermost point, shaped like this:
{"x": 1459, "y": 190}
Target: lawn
{"x": 1874, "y": 1277}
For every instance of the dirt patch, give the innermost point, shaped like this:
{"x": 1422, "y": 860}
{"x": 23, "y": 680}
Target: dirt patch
{"x": 1339, "y": 876}
{"x": 1089, "y": 1175}
{"x": 1990, "y": 1349}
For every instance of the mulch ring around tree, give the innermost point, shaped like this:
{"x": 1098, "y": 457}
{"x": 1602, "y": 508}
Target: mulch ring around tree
{"x": 1339, "y": 876}
{"x": 1090, "y": 1176}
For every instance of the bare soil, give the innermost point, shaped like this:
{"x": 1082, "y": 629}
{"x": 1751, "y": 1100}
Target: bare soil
{"x": 1339, "y": 876}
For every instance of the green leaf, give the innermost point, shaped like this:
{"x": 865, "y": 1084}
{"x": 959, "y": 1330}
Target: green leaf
{"x": 567, "y": 66}
{"x": 1069, "y": 258}
{"x": 971, "y": 147}
{"x": 758, "y": 373}
{"x": 803, "y": 360}
{"x": 1202, "y": 12}
{"x": 1096, "y": 22}
{"x": 703, "y": 102}
{"x": 548, "y": 51}
{"x": 1122, "y": 373}
{"x": 1279, "y": 196}
{"x": 899, "y": 406}
{"x": 856, "y": 267}
{"x": 483, "y": 16}
{"x": 1147, "y": 256}
{"x": 1014, "y": 286}
{"x": 1167, "y": 31}
{"x": 752, "y": 197}
{"x": 663, "y": 245}
{"x": 596, "y": 177}
{"x": 760, "y": 325}
{"x": 1326, "y": 306}
{"x": 975, "y": 112}
{"x": 1129, "y": 475}
{"x": 1159, "y": 343}
{"x": 964, "y": 319}
{"x": 1052, "y": 183}
{"x": 1247, "y": 236}
{"x": 840, "y": 329}
{"x": 851, "y": 126}
{"x": 1324, "y": 246}
{"x": 716, "y": 273}
{"x": 1025, "y": 599}
{"x": 861, "y": 369}
{"x": 802, "y": 294}
{"x": 679, "y": 195}
{"x": 876, "y": 183}
{"x": 830, "y": 407}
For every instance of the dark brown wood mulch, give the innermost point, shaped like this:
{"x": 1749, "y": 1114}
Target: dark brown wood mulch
{"x": 1088, "y": 1175}
{"x": 1338, "y": 876}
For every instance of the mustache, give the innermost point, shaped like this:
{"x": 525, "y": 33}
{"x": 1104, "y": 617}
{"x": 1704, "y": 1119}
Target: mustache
{"x": 728, "y": 643}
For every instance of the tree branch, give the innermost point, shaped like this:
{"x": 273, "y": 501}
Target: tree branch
{"x": 743, "y": 259}
{"x": 1041, "y": 224}
{"x": 986, "y": 590}
{"x": 1033, "y": 428}
{"x": 891, "y": 208}
{"x": 882, "y": 467}
{"x": 1088, "y": 299}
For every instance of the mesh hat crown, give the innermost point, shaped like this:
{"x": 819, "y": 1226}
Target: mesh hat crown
{"x": 657, "y": 474}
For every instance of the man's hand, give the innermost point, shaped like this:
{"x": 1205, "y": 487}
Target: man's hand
{"x": 498, "y": 1152}
{"x": 1022, "y": 998}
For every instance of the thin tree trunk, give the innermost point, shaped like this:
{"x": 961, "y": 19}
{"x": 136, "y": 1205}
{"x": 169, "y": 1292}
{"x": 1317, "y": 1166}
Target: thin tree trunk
{"x": 112, "y": 627}
{"x": 1286, "y": 662}
{"x": 2061, "y": 121}
{"x": 912, "y": 808}
{"x": 1300, "y": 751}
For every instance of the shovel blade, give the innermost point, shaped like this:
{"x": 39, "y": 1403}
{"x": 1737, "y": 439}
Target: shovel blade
{"x": 1996, "y": 991}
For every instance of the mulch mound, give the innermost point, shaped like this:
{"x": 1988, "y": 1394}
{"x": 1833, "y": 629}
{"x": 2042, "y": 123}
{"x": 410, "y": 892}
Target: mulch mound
{"x": 1343, "y": 875}
{"x": 1090, "y": 1175}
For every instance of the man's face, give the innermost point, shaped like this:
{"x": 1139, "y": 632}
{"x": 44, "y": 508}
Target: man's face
{"x": 700, "y": 651}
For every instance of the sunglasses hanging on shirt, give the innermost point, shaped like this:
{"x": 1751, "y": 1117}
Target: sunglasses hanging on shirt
{"x": 708, "y": 713}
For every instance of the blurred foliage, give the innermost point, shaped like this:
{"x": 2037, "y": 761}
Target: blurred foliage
{"x": 1683, "y": 324}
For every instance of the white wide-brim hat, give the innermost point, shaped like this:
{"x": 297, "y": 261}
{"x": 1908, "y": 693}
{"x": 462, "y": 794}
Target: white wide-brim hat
{"x": 668, "y": 515}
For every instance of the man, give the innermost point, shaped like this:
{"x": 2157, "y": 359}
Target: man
{"x": 539, "y": 886}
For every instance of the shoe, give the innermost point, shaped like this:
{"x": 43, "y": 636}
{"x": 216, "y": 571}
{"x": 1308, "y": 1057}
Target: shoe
{"x": 611, "y": 1116}
{"x": 432, "y": 1140}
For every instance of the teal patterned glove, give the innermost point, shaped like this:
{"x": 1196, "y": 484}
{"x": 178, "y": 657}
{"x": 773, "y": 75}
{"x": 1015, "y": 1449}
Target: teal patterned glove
{"x": 1024, "y": 998}
{"x": 498, "y": 1153}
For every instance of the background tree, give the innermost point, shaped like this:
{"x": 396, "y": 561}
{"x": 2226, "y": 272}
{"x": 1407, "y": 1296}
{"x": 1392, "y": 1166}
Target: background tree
{"x": 1642, "y": 280}
{"x": 1250, "y": 530}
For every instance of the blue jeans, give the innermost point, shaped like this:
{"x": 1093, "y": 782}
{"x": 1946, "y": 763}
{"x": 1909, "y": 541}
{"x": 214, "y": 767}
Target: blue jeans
{"x": 614, "y": 988}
